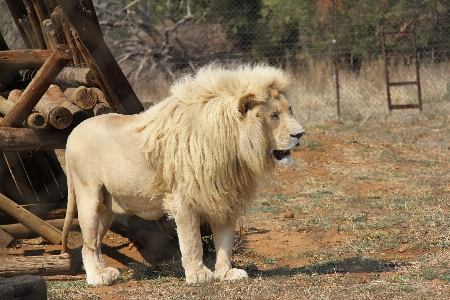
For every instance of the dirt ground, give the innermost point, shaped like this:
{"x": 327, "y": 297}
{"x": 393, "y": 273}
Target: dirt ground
{"x": 363, "y": 212}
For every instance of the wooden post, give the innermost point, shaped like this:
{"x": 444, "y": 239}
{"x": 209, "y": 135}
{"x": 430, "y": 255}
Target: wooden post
{"x": 37, "y": 87}
{"x": 31, "y": 221}
{"x": 41, "y": 14}
{"x": 25, "y": 139}
{"x": 35, "y": 24}
{"x": 91, "y": 37}
{"x": 18, "y": 10}
{"x": 23, "y": 59}
{"x": 37, "y": 265}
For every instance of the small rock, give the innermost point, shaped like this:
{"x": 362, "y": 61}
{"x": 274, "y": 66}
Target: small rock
{"x": 403, "y": 249}
{"x": 252, "y": 268}
{"x": 289, "y": 215}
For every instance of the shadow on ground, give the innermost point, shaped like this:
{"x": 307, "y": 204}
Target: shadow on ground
{"x": 345, "y": 265}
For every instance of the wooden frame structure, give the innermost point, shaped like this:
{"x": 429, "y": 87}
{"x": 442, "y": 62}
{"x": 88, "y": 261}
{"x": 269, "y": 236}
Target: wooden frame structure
{"x": 42, "y": 92}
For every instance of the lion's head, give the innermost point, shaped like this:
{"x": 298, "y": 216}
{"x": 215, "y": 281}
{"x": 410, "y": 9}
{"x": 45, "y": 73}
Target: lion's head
{"x": 218, "y": 135}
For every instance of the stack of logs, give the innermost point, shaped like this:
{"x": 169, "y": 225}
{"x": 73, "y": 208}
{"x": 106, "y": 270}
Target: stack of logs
{"x": 60, "y": 109}
{"x": 42, "y": 98}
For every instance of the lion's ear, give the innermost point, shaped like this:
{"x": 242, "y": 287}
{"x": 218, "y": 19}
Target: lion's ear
{"x": 246, "y": 103}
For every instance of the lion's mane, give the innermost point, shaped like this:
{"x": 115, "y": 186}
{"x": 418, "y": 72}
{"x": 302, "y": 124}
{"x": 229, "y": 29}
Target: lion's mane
{"x": 199, "y": 141}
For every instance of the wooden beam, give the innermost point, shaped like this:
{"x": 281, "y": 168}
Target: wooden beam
{"x": 31, "y": 221}
{"x": 90, "y": 35}
{"x": 37, "y": 87}
{"x": 25, "y": 139}
{"x": 18, "y": 231}
{"x": 37, "y": 265}
{"x": 23, "y": 59}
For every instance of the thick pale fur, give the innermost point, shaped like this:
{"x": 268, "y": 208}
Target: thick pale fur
{"x": 197, "y": 155}
{"x": 198, "y": 136}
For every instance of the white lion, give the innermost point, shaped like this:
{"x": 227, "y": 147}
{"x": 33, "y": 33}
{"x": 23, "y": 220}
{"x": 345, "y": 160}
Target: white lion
{"x": 198, "y": 155}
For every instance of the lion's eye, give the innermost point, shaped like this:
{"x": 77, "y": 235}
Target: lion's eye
{"x": 290, "y": 110}
{"x": 274, "y": 116}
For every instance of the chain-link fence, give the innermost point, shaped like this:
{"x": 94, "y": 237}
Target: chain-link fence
{"x": 332, "y": 48}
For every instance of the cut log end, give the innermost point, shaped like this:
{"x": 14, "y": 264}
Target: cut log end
{"x": 37, "y": 121}
{"x": 60, "y": 117}
{"x": 64, "y": 51}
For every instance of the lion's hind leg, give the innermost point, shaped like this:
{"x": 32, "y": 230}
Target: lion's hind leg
{"x": 94, "y": 218}
{"x": 105, "y": 220}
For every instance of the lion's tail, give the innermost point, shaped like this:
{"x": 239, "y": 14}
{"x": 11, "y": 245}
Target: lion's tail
{"x": 70, "y": 214}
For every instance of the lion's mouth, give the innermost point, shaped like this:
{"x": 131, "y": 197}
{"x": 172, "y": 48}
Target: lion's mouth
{"x": 281, "y": 154}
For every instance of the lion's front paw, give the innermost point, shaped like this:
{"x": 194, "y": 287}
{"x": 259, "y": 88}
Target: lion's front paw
{"x": 235, "y": 274}
{"x": 204, "y": 275}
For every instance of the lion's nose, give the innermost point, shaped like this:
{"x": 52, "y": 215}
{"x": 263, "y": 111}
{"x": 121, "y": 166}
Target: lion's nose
{"x": 298, "y": 135}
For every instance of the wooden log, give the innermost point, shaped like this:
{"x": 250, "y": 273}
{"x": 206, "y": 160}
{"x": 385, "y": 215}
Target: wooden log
{"x": 45, "y": 211}
{"x": 60, "y": 117}
{"x": 41, "y": 14}
{"x": 81, "y": 97}
{"x": 37, "y": 265}
{"x": 90, "y": 35}
{"x": 35, "y": 25}
{"x": 25, "y": 139}
{"x": 18, "y": 231}
{"x": 37, "y": 120}
{"x": 5, "y": 106}
{"x": 14, "y": 95}
{"x": 101, "y": 109}
{"x": 32, "y": 222}
{"x": 18, "y": 10}
{"x": 70, "y": 40}
{"x": 74, "y": 77}
{"x": 103, "y": 106}
{"x": 37, "y": 87}
{"x": 23, "y": 59}
{"x": 57, "y": 96}
{"x": 50, "y": 33}
{"x": 57, "y": 26}
{"x": 95, "y": 71}
{"x": 5, "y": 238}
{"x": 27, "y": 27}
